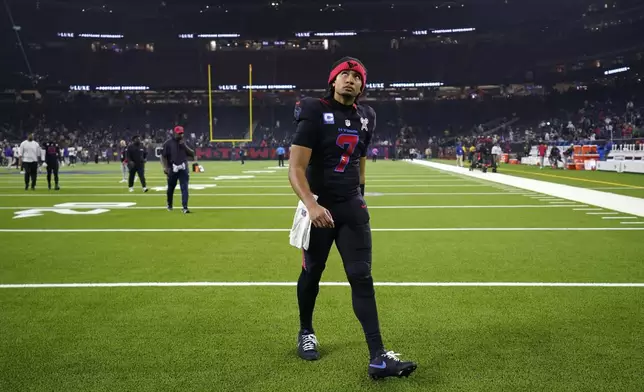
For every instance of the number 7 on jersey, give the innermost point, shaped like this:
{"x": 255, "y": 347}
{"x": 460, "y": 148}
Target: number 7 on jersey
{"x": 348, "y": 141}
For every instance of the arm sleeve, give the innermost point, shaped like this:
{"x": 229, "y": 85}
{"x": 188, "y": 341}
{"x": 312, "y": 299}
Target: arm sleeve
{"x": 190, "y": 152}
{"x": 166, "y": 151}
{"x": 307, "y": 115}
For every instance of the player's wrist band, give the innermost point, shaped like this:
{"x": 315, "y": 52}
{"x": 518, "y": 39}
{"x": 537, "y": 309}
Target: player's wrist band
{"x": 362, "y": 189}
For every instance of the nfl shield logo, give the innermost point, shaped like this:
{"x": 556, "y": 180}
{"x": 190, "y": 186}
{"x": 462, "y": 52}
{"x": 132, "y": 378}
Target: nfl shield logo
{"x": 347, "y": 123}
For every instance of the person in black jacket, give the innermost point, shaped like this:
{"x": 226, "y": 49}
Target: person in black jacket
{"x": 52, "y": 156}
{"x": 174, "y": 160}
{"x": 327, "y": 160}
{"x": 136, "y": 156}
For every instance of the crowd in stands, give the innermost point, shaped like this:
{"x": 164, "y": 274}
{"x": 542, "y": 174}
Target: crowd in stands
{"x": 432, "y": 127}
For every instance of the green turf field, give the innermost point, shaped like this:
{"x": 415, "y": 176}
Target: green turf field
{"x": 451, "y": 235}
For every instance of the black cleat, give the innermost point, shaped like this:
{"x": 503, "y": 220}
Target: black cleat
{"x": 57, "y": 188}
{"x": 185, "y": 211}
{"x": 307, "y": 346}
{"x": 387, "y": 364}
{"x": 169, "y": 208}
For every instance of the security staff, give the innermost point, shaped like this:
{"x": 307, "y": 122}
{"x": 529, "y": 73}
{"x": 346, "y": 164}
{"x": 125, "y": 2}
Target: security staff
{"x": 280, "y": 156}
{"x": 174, "y": 160}
{"x": 136, "y": 156}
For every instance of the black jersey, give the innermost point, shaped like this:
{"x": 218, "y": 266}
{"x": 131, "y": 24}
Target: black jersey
{"x": 338, "y": 136}
{"x": 52, "y": 153}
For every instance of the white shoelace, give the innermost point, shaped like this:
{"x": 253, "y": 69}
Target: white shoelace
{"x": 309, "y": 342}
{"x": 392, "y": 355}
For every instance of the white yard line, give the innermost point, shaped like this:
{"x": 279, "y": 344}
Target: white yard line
{"x": 333, "y": 284}
{"x": 620, "y": 217}
{"x": 18, "y": 184}
{"x": 292, "y": 207}
{"x": 279, "y": 186}
{"x": 258, "y": 230}
{"x": 138, "y": 193}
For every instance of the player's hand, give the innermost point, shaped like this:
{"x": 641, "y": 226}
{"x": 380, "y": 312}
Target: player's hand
{"x": 165, "y": 171}
{"x": 321, "y": 217}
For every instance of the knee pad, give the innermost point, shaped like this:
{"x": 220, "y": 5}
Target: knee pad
{"x": 358, "y": 271}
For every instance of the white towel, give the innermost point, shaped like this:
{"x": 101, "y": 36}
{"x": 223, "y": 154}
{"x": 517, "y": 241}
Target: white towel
{"x": 301, "y": 230}
{"x": 176, "y": 168}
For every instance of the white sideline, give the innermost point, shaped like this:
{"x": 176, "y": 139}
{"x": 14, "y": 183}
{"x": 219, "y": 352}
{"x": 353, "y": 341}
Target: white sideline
{"x": 257, "y": 230}
{"x": 291, "y": 284}
{"x": 626, "y": 204}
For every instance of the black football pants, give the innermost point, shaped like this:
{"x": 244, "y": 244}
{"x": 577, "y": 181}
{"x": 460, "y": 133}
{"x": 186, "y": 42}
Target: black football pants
{"x": 31, "y": 172}
{"x": 352, "y": 237}
{"x": 52, "y": 167}
{"x": 137, "y": 169}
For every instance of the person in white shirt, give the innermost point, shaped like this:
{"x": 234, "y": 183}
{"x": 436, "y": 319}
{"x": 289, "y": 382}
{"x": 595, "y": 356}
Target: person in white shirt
{"x": 72, "y": 156}
{"x": 16, "y": 157}
{"x": 29, "y": 154}
{"x": 496, "y": 153}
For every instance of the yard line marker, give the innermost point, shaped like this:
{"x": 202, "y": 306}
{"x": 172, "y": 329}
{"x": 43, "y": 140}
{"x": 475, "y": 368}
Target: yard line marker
{"x": 632, "y": 223}
{"x": 620, "y": 217}
{"x": 563, "y": 202}
{"x": 332, "y": 284}
{"x": 602, "y": 213}
{"x": 587, "y": 209}
{"x": 292, "y": 207}
{"x": 258, "y": 230}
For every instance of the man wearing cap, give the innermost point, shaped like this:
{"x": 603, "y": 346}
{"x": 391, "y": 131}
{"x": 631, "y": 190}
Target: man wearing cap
{"x": 327, "y": 172}
{"x": 136, "y": 155}
{"x": 174, "y": 159}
